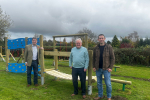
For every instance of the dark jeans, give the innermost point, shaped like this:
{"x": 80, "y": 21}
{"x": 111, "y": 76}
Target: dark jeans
{"x": 82, "y": 75}
{"x": 34, "y": 65}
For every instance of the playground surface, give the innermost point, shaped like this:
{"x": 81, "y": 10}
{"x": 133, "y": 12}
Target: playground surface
{"x": 13, "y": 85}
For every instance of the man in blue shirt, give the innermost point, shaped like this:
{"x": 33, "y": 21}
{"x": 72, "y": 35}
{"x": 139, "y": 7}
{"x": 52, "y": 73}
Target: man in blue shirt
{"x": 80, "y": 59}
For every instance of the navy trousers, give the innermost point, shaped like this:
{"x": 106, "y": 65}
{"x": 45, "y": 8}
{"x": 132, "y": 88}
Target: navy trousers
{"x": 34, "y": 65}
{"x": 82, "y": 75}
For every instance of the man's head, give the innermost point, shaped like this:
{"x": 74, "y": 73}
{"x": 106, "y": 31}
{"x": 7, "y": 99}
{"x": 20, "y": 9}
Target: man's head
{"x": 78, "y": 43}
{"x": 34, "y": 41}
{"x": 101, "y": 39}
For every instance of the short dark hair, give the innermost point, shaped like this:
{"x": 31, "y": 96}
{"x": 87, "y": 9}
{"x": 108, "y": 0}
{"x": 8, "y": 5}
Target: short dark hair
{"x": 101, "y": 35}
{"x": 34, "y": 38}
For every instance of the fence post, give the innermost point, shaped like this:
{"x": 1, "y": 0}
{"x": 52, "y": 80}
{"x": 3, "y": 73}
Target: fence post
{"x": 7, "y": 53}
{"x": 90, "y": 68}
{"x": 1, "y": 49}
{"x": 42, "y": 60}
{"x": 56, "y": 60}
{"x": 53, "y": 43}
{"x": 86, "y": 41}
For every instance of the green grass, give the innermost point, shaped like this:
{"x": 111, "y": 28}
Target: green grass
{"x": 13, "y": 85}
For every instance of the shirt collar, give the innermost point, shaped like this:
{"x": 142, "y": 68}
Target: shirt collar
{"x": 33, "y": 45}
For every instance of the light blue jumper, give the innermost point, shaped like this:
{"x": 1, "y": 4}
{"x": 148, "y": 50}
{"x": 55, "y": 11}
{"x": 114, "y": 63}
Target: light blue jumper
{"x": 79, "y": 58}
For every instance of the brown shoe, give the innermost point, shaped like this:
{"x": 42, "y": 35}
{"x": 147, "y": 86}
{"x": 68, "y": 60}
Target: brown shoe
{"x": 98, "y": 98}
{"x": 28, "y": 85}
{"x": 108, "y": 98}
{"x": 36, "y": 85}
{"x": 73, "y": 94}
{"x": 84, "y": 96}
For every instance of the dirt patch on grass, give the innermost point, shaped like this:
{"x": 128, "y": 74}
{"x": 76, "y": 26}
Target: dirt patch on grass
{"x": 105, "y": 98}
{"x": 118, "y": 98}
{"x": 132, "y": 77}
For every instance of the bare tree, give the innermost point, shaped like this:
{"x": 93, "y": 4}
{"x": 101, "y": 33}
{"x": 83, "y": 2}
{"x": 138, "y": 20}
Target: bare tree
{"x": 91, "y": 35}
{"x": 5, "y": 23}
{"x": 133, "y": 36}
{"x": 38, "y": 36}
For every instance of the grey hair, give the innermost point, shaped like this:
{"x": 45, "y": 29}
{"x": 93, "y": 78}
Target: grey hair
{"x": 78, "y": 39}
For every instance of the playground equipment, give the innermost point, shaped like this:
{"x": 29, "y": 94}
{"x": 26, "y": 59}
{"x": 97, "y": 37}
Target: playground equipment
{"x": 116, "y": 67}
{"x": 2, "y": 56}
{"x": 55, "y": 53}
{"x": 20, "y": 43}
{"x": 58, "y": 74}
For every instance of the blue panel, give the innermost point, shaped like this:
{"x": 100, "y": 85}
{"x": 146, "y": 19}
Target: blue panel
{"x": 20, "y": 68}
{"x": 16, "y": 43}
{"x": 19, "y": 43}
{"x": 30, "y": 41}
{"x": 17, "y": 67}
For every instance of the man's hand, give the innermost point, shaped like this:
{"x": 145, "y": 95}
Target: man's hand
{"x": 109, "y": 70}
{"x": 41, "y": 48}
{"x": 71, "y": 67}
{"x": 26, "y": 64}
{"x": 85, "y": 70}
{"x": 94, "y": 69}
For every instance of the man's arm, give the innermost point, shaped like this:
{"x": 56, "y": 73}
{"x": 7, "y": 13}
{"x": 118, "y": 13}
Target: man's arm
{"x": 94, "y": 60}
{"x": 25, "y": 55}
{"x": 70, "y": 60}
{"x": 112, "y": 57}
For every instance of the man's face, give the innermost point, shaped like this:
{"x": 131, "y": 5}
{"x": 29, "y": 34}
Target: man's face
{"x": 101, "y": 39}
{"x": 78, "y": 43}
{"x": 34, "y": 41}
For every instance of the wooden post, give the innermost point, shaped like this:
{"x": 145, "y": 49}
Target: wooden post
{"x": 23, "y": 56}
{"x": 1, "y": 49}
{"x": 26, "y": 40}
{"x": 7, "y": 53}
{"x": 90, "y": 68}
{"x": 56, "y": 60}
{"x": 41, "y": 40}
{"x": 86, "y": 41}
{"x": 54, "y": 43}
{"x": 42, "y": 66}
{"x": 42, "y": 60}
{"x": 26, "y": 43}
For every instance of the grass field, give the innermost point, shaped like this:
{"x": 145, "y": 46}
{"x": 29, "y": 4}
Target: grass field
{"x": 13, "y": 85}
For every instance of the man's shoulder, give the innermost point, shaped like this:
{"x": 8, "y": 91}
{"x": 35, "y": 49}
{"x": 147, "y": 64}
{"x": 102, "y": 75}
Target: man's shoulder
{"x": 28, "y": 45}
{"x": 108, "y": 45}
{"x": 73, "y": 48}
{"x": 96, "y": 47}
{"x": 38, "y": 46}
{"x": 84, "y": 48}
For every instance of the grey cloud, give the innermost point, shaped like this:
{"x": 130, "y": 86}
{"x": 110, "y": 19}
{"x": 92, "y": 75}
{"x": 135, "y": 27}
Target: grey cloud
{"x": 55, "y": 17}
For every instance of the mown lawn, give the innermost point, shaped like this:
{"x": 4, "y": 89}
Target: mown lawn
{"x": 13, "y": 85}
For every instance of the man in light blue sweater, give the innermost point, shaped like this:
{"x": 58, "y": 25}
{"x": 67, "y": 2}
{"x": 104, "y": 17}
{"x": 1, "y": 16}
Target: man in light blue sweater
{"x": 80, "y": 59}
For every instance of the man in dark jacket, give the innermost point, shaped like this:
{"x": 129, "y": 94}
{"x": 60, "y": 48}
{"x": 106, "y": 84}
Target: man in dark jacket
{"x": 103, "y": 61}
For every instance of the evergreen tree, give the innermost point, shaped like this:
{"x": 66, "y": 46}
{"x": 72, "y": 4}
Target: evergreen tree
{"x": 108, "y": 42}
{"x": 115, "y": 42}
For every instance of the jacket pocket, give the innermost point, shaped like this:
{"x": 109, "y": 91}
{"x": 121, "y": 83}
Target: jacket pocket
{"x": 107, "y": 54}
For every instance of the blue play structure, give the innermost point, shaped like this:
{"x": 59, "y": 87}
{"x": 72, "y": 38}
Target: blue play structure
{"x": 17, "y": 44}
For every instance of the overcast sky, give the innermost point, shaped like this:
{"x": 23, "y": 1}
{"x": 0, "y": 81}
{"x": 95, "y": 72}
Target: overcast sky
{"x": 61, "y": 17}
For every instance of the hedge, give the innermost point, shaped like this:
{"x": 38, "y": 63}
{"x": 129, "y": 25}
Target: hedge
{"x": 140, "y": 56}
